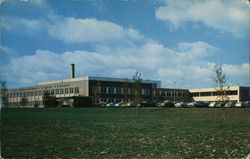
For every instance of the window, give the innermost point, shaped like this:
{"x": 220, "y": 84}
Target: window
{"x": 154, "y": 85}
{"x": 182, "y": 94}
{"x": 231, "y": 92}
{"x": 71, "y": 90}
{"x": 61, "y": 91}
{"x": 28, "y": 94}
{"x": 179, "y": 94}
{"x": 130, "y": 91}
{"x": 57, "y": 91}
{"x": 168, "y": 94}
{"x": 110, "y": 90}
{"x": 162, "y": 93}
{"x": 36, "y": 93}
{"x": 196, "y": 94}
{"x": 118, "y": 90}
{"x": 104, "y": 90}
{"x": 76, "y": 89}
{"x": 217, "y": 93}
{"x": 44, "y": 91}
{"x": 144, "y": 91}
{"x": 66, "y": 90}
{"x": 205, "y": 93}
{"x": 40, "y": 93}
{"x": 156, "y": 93}
{"x": 52, "y": 92}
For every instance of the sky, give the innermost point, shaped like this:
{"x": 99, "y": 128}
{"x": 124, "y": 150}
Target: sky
{"x": 176, "y": 42}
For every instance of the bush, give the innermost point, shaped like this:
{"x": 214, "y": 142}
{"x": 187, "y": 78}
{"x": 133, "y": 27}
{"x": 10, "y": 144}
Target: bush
{"x": 49, "y": 101}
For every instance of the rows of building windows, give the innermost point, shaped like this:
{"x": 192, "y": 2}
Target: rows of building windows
{"x": 169, "y": 94}
{"x": 40, "y": 92}
{"x": 214, "y": 93}
{"x": 118, "y": 100}
{"x": 118, "y": 90}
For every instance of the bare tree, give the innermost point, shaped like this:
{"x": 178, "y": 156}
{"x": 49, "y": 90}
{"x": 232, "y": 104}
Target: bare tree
{"x": 137, "y": 88}
{"x": 49, "y": 100}
{"x": 23, "y": 101}
{"x": 125, "y": 90}
{"x": 221, "y": 81}
{"x": 4, "y": 98}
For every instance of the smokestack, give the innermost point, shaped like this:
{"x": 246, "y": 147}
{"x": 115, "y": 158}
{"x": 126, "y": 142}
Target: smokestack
{"x": 72, "y": 71}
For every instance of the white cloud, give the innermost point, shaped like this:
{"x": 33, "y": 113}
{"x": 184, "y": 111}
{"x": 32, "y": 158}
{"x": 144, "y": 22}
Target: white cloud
{"x": 72, "y": 30}
{"x": 227, "y": 16}
{"x": 239, "y": 70}
{"x": 152, "y": 59}
{"x": 22, "y": 25}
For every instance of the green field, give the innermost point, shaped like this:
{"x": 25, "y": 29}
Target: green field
{"x": 124, "y": 133}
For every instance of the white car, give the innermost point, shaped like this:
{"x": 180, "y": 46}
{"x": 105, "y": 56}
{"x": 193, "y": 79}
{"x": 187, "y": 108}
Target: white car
{"x": 239, "y": 104}
{"x": 118, "y": 104}
{"x": 110, "y": 104}
{"x": 191, "y": 104}
{"x": 181, "y": 104}
{"x": 212, "y": 104}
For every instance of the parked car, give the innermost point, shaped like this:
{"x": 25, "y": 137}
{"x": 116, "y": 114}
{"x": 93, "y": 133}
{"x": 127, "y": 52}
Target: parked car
{"x": 230, "y": 104}
{"x": 102, "y": 104}
{"x": 247, "y": 104}
{"x": 212, "y": 104}
{"x": 158, "y": 104}
{"x": 191, "y": 104}
{"x": 147, "y": 104}
{"x": 220, "y": 104}
{"x": 167, "y": 103}
{"x": 111, "y": 104}
{"x": 239, "y": 104}
{"x": 124, "y": 104}
{"x": 201, "y": 104}
{"x": 131, "y": 104}
{"x": 118, "y": 104}
{"x": 181, "y": 104}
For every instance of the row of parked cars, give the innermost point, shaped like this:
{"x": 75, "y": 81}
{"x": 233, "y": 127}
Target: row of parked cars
{"x": 120, "y": 104}
{"x": 201, "y": 104}
{"x": 168, "y": 103}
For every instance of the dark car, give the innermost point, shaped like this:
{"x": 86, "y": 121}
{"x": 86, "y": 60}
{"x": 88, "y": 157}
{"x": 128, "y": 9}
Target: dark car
{"x": 201, "y": 104}
{"x": 148, "y": 104}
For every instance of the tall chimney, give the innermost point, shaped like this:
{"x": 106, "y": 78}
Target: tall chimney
{"x": 72, "y": 71}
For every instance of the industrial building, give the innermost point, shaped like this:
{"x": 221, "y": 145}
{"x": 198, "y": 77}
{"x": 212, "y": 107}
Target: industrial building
{"x": 105, "y": 89}
{"x": 235, "y": 93}
{"x": 86, "y": 91}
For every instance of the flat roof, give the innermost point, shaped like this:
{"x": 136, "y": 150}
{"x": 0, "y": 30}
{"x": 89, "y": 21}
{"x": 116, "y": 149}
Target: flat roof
{"x": 108, "y": 79}
{"x": 64, "y": 80}
{"x": 213, "y": 89}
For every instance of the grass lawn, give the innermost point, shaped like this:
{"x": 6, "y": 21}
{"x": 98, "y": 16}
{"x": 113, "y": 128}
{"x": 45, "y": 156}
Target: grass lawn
{"x": 124, "y": 133}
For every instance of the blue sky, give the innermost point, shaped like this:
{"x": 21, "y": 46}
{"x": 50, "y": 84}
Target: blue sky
{"x": 164, "y": 40}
